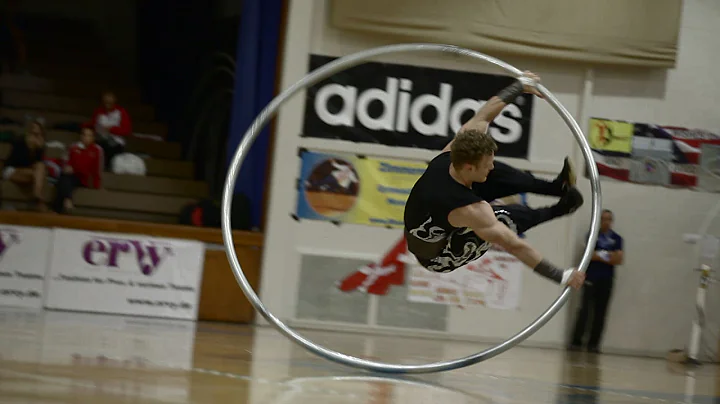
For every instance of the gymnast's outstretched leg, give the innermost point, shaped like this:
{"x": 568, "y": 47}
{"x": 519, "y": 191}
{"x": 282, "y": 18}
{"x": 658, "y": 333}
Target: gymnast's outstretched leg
{"x": 521, "y": 218}
{"x": 505, "y": 180}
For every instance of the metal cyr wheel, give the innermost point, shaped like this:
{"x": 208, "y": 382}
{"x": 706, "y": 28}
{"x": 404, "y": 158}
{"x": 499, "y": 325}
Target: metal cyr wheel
{"x": 328, "y": 70}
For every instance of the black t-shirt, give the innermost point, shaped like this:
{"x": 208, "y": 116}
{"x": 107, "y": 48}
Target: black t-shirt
{"x": 433, "y": 197}
{"x": 22, "y": 156}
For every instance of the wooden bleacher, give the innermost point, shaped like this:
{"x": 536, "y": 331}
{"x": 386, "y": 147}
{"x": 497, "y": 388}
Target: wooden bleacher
{"x": 69, "y": 104}
{"x": 69, "y": 73}
{"x": 221, "y": 299}
{"x": 78, "y": 87}
{"x": 70, "y": 94}
{"x": 54, "y": 118}
{"x": 153, "y": 148}
{"x": 158, "y": 197}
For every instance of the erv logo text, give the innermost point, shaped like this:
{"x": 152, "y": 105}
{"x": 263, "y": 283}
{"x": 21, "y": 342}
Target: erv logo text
{"x": 8, "y": 238}
{"x": 147, "y": 255}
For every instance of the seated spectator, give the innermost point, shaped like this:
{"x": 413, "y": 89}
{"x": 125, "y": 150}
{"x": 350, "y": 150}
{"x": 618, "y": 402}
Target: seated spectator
{"x": 110, "y": 118}
{"x": 25, "y": 165}
{"x": 111, "y": 123}
{"x": 83, "y": 167}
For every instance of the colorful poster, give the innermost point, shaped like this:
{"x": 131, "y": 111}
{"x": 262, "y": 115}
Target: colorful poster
{"x": 611, "y": 136}
{"x": 655, "y": 155}
{"x": 493, "y": 281}
{"x": 352, "y": 189}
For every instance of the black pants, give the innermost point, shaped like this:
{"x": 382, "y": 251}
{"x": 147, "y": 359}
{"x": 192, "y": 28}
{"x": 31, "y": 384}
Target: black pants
{"x": 464, "y": 246}
{"x": 595, "y": 302}
{"x": 110, "y": 150}
{"x": 63, "y": 190}
{"x": 505, "y": 180}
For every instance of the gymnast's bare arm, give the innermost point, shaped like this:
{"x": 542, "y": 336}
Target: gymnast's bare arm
{"x": 491, "y": 109}
{"x": 481, "y": 219}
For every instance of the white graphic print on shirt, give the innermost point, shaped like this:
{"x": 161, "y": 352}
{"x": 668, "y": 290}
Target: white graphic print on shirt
{"x": 110, "y": 119}
{"x": 432, "y": 235}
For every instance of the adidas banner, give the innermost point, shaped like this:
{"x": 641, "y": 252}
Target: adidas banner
{"x": 410, "y": 106}
{"x": 656, "y": 155}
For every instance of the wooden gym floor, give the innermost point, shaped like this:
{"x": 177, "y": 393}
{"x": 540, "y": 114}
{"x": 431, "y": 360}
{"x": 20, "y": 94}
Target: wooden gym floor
{"x": 60, "y": 357}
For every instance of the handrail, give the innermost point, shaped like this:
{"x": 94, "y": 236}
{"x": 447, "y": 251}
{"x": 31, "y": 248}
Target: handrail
{"x": 205, "y": 123}
{"x": 201, "y": 117}
{"x": 225, "y": 56}
{"x": 209, "y": 73}
{"x": 215, "y": 152}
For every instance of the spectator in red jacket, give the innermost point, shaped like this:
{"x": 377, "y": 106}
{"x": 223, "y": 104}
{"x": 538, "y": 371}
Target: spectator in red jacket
{"x": 110, "y": 118}
{"x": 83, "y": 167}
{"x": 112, "y": 124}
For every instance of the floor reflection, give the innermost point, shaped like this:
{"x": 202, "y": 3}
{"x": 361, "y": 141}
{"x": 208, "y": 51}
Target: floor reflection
{"x": 81, "y": 357}
{"x": 86, "y": 354}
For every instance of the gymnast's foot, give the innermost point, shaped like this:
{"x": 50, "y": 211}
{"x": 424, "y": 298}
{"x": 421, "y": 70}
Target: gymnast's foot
{"x": 567, "y": 177}
{"x": 570, "y": 202}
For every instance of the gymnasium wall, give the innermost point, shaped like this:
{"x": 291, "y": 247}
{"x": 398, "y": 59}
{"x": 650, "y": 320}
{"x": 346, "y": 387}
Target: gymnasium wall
{"x": 289, "y": 239}
{"x": 645, "y": 96}
{"x": 654, "y": 297}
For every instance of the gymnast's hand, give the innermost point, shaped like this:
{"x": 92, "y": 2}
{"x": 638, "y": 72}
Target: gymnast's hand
{"x": 531, "y": 88}
{"x": 574, "y": 278}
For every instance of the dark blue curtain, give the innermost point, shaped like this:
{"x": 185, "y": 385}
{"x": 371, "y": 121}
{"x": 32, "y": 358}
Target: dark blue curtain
{"x": 256, "y": 58}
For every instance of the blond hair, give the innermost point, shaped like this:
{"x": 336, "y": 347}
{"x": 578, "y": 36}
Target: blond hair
{"x": 470, "y": 146}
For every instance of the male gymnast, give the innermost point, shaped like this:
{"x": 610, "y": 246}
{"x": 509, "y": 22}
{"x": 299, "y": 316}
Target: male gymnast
{"x": 449, "y": 221}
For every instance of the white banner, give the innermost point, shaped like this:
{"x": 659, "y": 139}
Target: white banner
{"x": 493, "y": 281}
{"x": 23, "y": 264}
{"x": 125, "y": 274}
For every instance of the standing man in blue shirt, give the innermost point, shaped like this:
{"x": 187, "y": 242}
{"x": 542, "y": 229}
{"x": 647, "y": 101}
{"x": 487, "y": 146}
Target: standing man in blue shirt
{"x": 600, "y": 278}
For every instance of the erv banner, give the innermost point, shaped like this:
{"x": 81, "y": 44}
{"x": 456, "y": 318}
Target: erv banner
{"x": 125, "y": 274}
{"x": 410, "y": 106}
{"x": 23, "y": 263}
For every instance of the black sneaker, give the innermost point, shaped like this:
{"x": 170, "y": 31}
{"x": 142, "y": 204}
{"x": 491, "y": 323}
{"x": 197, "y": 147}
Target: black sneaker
{"x": 570, "y": 202}
{"x": 567, "y": 177}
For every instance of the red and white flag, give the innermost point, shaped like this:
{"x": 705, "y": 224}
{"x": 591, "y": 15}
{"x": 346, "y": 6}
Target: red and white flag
{"x": 377, "y": 277}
